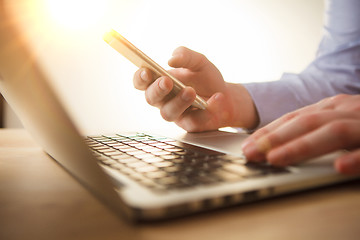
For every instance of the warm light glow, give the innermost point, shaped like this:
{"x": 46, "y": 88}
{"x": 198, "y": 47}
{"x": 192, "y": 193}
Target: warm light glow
{"x": 248, "y": 40}
{"x": 76, "y": 14}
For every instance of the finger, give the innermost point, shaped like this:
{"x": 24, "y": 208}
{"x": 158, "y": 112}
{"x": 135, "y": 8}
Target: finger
{"x": 349, "y": 163}
{"x": 142, "y": 79}
{"x": 174, "y": 108}
{"x": 186, "y": 58}
{"x": 255, "y": 150}
{"x": 281, "y": 121}
{"x": 332, "y": 102}
{"x": 158, "y": 92}
{"x": 348, "y": 102}
{"x": 297, "y": 127}
{"x": 291, "y": 125}
{"x": 336, "y": 135}
{"x": 215, "y": 116}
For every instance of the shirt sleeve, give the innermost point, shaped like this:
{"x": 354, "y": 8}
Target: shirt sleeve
{"x": 335, "y": 70}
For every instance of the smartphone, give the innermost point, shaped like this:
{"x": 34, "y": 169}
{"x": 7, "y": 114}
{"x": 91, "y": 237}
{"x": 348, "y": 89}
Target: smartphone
{"x": 137, "y": 57}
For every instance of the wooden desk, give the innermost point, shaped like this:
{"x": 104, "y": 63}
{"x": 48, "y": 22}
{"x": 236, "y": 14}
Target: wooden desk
{"x": 2, "y": 111}
{"x": 39, "y": 200}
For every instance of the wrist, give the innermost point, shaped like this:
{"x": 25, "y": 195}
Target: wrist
{"x": 244, "y": 113}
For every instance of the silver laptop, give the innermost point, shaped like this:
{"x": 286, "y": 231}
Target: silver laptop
{"x": 143, "y": 176}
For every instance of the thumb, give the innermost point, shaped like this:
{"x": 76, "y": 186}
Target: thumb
{"x": 218, "y": 107}
{"x": 212, "y": 118}
{"x": 186, "y": 58}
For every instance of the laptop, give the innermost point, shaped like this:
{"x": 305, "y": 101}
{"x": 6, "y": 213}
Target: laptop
{"x": 144, "y": 176}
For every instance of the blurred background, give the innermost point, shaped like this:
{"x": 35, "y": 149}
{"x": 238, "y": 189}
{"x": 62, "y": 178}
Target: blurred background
{"x": 248, "y": 40}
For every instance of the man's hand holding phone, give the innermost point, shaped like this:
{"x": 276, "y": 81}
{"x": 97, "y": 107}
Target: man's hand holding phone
{"x": 180, "y": 93}
{"x": 225, "y": 101}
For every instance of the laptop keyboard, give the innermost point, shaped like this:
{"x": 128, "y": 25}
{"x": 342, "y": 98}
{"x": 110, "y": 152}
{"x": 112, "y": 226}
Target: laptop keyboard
{"x": 162, "y": 163}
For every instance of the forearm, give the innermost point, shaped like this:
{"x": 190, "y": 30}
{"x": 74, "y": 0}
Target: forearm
{"x": 335, "y": 70}
{"x": 293, "y": 91}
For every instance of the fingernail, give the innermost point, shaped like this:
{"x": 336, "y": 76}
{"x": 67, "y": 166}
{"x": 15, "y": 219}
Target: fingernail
{"x": 162, "y": 85}
{"x": 256, "y": 149}
{"x": 186, "y": 97}
{"x": 218, "y": 96}
{"x": 263, "y": 145}
{"x": 347, "y": 164}
{"x": 250, "y": 150}
{"x": 144, "y": 76}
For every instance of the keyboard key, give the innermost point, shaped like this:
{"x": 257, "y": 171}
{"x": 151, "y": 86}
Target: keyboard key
{"x": 128, "y": 160}
{"x": 121, "y": 156}
{"x": 163, "y": 164}
{"x": 156, "y": 174}
{"x": 147, "y": 168}
{"x": 153, "y": 160}
{"x": 142, "y": 155}
{"x": 169, "y": 157}
{"x": 137, "y": 164}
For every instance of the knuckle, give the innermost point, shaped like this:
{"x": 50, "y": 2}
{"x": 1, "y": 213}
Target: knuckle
{"x": 303, "y": 147}
{"x": 166, "y": 115}
{"x": 340, "y": 130}
{"x": 192, "y": 129}
{"x": 261, "y": 132}
{"x": 296, "y": 151}
{"x": 137, "y": 80}
{"x": 310, "y": 121}
{"x": 136, "y": 83}
{"x": 195, "y": 60}
{"x": 202, "y": 59}
{"x": 142, "y": 79}
{"x": 149, "y": 99}
{"x": 138, "y": 86}
{"x": 289, "y": 116}
{"x": 330, "y": 102}
{"x": 181, "y": 49}
{"x": 339, "y": 97}
{"x": 190, "y": 126}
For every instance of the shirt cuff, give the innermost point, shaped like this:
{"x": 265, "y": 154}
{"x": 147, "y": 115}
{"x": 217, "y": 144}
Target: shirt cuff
{"x": 274, "y": 99}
